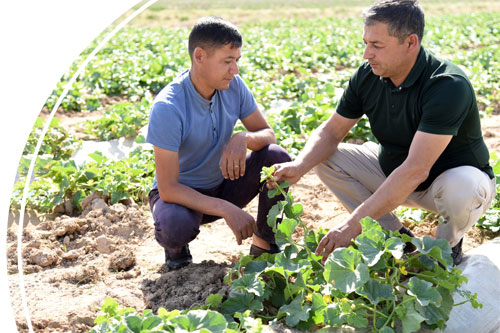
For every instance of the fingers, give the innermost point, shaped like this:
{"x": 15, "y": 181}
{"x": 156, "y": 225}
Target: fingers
{"x": 321, "y": 246}
{"x": 223, "y": 167}
{"x": 246, "y": 232}
{"x": 238, "y": 237}
{"x": 325, "y": 246}
{"x": 243, "y": 165}
{"x": 233, "y": 169}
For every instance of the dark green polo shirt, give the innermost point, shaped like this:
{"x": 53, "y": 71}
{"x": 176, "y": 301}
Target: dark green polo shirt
{"x": 436, "y": 97}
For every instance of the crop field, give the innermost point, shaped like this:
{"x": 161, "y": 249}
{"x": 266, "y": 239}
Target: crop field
{"x": 297, "y": 58}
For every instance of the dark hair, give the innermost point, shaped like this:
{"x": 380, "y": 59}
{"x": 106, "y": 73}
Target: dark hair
{"x": 211, "y": 32}
{"x": 403, "y": 17}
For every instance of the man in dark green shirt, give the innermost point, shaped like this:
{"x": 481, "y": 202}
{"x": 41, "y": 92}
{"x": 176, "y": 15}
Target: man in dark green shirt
{"x": 424, "y": 114}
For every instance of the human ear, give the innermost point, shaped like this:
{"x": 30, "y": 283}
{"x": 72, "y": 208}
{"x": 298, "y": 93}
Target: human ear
{"x": 412, "y": 41}
{"x": 199, "y": 54}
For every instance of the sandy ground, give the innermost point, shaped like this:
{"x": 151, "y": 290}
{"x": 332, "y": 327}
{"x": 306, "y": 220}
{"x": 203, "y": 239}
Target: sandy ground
{"x": 72, "y": 264}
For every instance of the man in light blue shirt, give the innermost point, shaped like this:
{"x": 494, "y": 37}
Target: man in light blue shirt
{"x": 203, "y": 171}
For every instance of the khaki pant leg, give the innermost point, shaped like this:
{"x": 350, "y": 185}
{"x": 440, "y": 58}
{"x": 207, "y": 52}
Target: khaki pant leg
{"x": 460, "y": 195}
{"x": 353, "y": 174}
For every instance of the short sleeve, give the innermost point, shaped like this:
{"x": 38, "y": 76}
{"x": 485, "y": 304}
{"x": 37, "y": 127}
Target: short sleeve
{"x": 247, "y": 101}
{"x": 165, "y": 127}
{"x": 350, "y": 104}
{"x": 445, "y": 105}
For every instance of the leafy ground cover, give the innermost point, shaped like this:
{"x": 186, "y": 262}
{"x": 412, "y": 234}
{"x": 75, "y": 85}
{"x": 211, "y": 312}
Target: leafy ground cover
{"x": 373, "y": 282}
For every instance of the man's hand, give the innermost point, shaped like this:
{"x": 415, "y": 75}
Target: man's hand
{"x": 340, "y": 236}
{"x": 241, "y": 223}
{"x": 233, "y": 161}
{"x": 289, "y": 171}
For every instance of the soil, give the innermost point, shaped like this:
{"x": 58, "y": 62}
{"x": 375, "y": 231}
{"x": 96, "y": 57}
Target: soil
{"x": 72, "y": 264}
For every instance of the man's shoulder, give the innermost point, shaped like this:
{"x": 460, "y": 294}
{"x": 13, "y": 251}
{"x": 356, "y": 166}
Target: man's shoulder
{"x": 173, "y": 93}
{"x": 440, "y": 68}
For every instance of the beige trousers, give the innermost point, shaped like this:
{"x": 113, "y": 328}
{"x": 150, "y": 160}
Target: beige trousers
{"x": 460, "y": 195}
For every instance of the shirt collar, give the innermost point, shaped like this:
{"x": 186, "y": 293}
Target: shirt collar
{"x": 195, "y": 94}
{"x": 415, "y": 72}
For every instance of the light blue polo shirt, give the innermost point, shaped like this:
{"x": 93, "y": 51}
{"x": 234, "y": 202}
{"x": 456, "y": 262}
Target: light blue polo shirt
{"x": 181, "y": 120}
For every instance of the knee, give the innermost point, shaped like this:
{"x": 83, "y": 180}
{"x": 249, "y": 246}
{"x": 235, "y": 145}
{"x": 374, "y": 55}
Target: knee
{"x": 175, "y": 225}
{"x": 461, "y": 192}
{"x": 275, "y": 154}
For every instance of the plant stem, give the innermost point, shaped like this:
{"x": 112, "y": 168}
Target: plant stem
{"x": 374, "y": 309}
{"x": 264, "y": 316}
{"x": 310, "y": 254}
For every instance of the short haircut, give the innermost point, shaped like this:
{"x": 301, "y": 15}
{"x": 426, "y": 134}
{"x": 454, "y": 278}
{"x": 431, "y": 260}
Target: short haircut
{"x": 403, "y": 17}
{"x": 212, "y": 32}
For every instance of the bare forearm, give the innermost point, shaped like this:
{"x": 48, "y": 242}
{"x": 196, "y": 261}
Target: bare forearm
{"x": 259, "y": 139}
{"x": 185, "y": 196}
{"x": 392, "y": 193}
{"x": 321, "y": 145}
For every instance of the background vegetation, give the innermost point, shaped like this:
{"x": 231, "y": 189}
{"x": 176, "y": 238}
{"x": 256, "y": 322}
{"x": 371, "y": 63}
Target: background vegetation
{"x": 297, "y": 59}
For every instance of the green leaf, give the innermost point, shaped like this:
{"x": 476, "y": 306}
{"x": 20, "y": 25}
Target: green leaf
{"x": 197, "y": 320}
{"x": 249, "y": 283}
{"x": 371, "y": 250}
{"x": 98, "y": 157}
{"x": 345, "y": 270}
{"x": 213, "y": 301}
{"x": 151, "y": 323}
{"x": 412, "y": 319}
{"x": 318, "y": 308}
{"x": 438, "y": 249}
{"x": 238, "y": 302}
{"x": 285, "y": 231}
{"x": 295, "y": 311}
{"x": 376, "y": 291}
{"x": 266, "y": 173}
{"x": 110, "y": 306}
{"x": 134, "y": 323}
{"x": 256, "y": 266}
{"x": 424, "y": 291}
{"x": 386, "y": 329}
{"x": 273, "y": 192}
{"x": 273, "y": 214}
{"x": 290, "y": 265}
{"x": 437, "y": 315}
{"x": 395, "y": 246}
{"x": 297, "y": 210}
{"x": 333, "y": 315}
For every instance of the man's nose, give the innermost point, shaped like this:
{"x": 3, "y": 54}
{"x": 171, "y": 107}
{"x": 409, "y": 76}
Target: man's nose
{"x": 233, "y": 69}
{"x": 367, "y": 54}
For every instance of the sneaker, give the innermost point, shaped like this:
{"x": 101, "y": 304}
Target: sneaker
{"x": 457, "y": 254}
{"x": 257, "y": 251}
{"x": 409, "y": 247}
{"x": 180, "y": 260}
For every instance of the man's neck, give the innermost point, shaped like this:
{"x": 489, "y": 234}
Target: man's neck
{"x": 201, "y": 87}
{"x": 405, "y": 71}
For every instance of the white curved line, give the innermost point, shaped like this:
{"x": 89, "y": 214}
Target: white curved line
{"x": 39, "y": 144}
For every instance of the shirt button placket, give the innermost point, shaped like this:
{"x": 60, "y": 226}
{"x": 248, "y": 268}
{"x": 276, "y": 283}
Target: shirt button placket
{"x": 214, "y": 128}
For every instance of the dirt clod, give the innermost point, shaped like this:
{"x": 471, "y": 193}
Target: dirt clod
{"x": 122, "y": 260}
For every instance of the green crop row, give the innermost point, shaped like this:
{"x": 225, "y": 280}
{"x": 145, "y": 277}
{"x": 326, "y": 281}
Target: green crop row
{"x": 131, "y": 177}
{"x": 306, "y": 63}
{"x": 137, "y": 60}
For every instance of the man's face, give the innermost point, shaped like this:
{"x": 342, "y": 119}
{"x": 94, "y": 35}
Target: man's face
{"x": 220, "y": 66}
{"x": 385, "y": 54}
